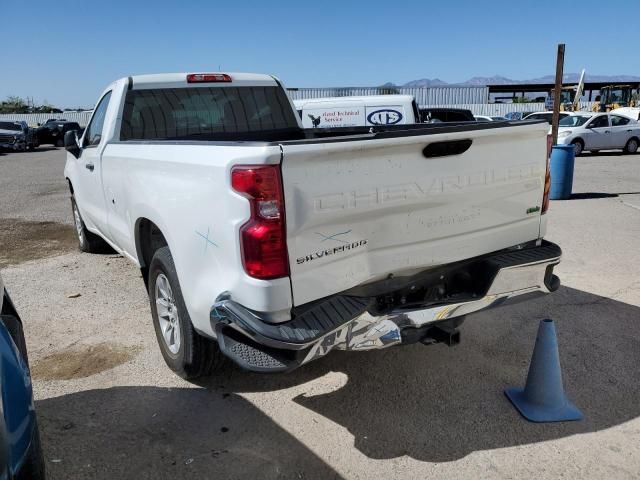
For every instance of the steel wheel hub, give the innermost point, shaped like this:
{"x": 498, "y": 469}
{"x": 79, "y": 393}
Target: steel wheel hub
{"x": 167, "y": 314}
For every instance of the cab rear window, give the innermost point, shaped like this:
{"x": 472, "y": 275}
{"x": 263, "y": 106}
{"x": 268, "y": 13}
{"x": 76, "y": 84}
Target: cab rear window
{"x": 205, "y": 113}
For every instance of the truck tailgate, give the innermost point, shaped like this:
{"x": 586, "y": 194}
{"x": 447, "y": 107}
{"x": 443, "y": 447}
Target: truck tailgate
{"x": 363, "y": 209}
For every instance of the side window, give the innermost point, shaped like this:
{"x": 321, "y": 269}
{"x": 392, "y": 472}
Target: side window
{"x": 93, "y": 134}
{"x": 599, "y": 122}
{"x": 617, "y": 121}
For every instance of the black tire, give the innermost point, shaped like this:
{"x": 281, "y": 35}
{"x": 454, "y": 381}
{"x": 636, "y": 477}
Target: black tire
{"x": 195, "y": 355}
{"x": 59, "y": 143}
{"x": 631, "y": 146}
{"x": 33, "y": 467}
{"x": 87, "y": 242}
{"x": 578, "y": 146}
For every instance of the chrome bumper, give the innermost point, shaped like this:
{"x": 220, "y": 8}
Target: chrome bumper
{"x": 367, "y": 332}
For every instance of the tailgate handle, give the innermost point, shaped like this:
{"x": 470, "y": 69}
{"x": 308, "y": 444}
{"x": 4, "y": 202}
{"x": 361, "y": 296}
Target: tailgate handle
{"x": 445, "y": 149}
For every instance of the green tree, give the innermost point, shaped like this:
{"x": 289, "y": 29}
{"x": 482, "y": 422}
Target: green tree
{"x": 45, "y": 108}
{"x": 14, "y": 104}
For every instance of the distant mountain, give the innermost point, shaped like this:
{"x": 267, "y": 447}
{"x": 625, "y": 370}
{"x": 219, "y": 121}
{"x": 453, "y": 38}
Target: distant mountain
{"x": 482, "y": 81}
{"x": 426, "y": 82}
{"x": 500, "y": 80}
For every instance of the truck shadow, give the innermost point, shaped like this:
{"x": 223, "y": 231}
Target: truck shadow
{"x": 595, "y": 195}
{"x": 435, "y": 404}
{"x": 172, "y": 433}
{"x": 439, "y": 404}
{"x": 607, "y": 153}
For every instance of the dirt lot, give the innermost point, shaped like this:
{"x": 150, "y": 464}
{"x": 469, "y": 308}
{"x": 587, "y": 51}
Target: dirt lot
{"x": 109, "y": 408}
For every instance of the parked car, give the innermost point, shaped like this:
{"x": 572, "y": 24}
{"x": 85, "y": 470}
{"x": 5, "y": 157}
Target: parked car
{"x": 20, "y": 449}
{"x": 599, "y": 131}
{"x": 368, "y": 110}
{"x": 54, "y": 120}
{"x": 516, "y": 115}
{"x": 486, "y": 118}
{"x": 438, "y": 114}
{"x": 17, "y": 136}
{"x": 53, "y": 132}
{"x": 631, "y": 112}
{"x": 191, "y": 176}
{"x": 31, "y": 135}
{"x": 546, "y": 116}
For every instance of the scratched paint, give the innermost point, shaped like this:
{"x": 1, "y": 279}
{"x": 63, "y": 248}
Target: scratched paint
{"x": 333, "y": 237}
{"x": 207, "y": 240}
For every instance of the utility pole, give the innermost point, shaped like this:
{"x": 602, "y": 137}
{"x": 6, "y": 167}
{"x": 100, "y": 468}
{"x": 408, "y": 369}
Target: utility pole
{"x": 557, "y": 94}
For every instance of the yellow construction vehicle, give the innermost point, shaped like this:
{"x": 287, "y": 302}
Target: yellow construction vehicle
{"x": 615, "y": 96}
{"x": 569, "y": 96}
{"x": 567, "y": 99}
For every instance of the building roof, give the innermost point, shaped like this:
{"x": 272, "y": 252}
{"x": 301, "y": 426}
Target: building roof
{"x": 543, "y": 87}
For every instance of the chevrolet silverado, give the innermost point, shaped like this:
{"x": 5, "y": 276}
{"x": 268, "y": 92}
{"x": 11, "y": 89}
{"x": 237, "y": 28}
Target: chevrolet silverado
{"x": 272, "y": 244}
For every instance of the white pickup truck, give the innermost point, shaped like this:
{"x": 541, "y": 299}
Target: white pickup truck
{"x": 272, "y": 244}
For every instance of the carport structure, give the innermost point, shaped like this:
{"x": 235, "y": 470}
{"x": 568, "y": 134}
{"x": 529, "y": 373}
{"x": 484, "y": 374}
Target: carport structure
{"x": 509, "y": 92}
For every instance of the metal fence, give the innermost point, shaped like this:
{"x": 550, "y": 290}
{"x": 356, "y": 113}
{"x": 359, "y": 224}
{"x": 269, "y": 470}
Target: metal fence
{"x": 423, "y": 95}
{"x": 34, "y": 119}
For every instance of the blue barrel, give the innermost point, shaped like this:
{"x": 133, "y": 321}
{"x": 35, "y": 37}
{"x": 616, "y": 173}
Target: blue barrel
{"x": 562, "y": 161}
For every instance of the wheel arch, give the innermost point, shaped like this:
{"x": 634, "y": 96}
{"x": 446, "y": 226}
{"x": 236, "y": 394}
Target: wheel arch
{"x": 149, "y": 237}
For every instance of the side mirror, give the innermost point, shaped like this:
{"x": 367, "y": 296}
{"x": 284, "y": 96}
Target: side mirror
{"x": 71, "y": 143}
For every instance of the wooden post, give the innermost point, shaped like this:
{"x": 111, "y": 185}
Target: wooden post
{"x": 557, "y": 94}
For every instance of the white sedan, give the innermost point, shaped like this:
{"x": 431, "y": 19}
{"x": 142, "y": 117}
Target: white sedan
{"x": 487, "y": 118}
{"x": 599, "y": 131}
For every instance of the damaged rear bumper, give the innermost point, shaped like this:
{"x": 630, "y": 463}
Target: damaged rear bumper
{"x": 390, "y": 312}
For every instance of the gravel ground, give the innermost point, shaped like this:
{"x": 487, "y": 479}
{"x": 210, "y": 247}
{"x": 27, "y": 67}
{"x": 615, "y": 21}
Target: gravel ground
{"x": 109, "y": 408}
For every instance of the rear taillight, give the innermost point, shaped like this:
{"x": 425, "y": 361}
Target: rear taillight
{"x": 208, "y": 78}
{"x": 547, "y": 176}
{"x": 263, "y": 239}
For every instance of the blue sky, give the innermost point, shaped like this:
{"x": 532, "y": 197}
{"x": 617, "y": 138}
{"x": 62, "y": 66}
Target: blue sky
{"x": 67, "y": 51}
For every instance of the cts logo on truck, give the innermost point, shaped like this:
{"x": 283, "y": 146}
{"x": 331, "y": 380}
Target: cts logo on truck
{"x": 384, "y": 117}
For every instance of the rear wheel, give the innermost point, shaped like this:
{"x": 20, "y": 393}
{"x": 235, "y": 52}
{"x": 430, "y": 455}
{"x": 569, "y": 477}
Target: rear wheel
{"x": 631, "y": 146}
{"x": 185, "y": 351}
{"x": 87, "y": 241}
{"x": 578, "y": 146}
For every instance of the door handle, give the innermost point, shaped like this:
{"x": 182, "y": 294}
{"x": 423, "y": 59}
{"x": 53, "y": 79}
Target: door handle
{"x": 446, "y": 148}
{"x": 629, "y": 130}
{"x": 607, "y": 131}
{"x": 89, "y": 166}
